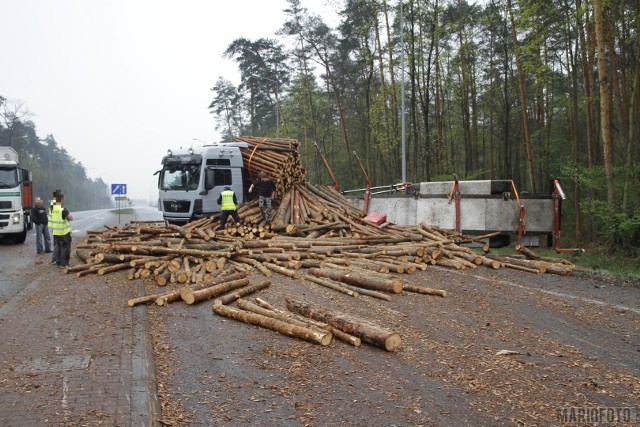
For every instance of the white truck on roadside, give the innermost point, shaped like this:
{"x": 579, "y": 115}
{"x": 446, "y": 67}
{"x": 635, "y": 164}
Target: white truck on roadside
{"x": 16, "y": 197}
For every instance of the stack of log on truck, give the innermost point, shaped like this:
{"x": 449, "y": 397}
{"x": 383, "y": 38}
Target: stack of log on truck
{"x": 16, "y": 197}
{"x": 317, "y": 237}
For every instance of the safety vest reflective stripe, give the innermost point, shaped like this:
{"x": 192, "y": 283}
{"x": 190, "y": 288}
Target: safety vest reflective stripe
{"x": 227, "y": 201}
{"x": 59, "y": 226}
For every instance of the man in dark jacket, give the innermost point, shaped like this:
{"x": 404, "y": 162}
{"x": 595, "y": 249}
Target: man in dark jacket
{"x": 41, "y": 220}
{"x": 264, "y": 187}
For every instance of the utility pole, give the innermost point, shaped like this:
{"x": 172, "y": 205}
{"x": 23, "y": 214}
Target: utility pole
{"x": 404, "y": 145}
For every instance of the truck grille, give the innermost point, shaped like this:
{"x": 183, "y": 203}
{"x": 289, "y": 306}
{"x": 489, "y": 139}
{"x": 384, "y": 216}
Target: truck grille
{"x": 5, "y": 205}
{"x": 4, "y": 220}
{"x": 176, "y": 206}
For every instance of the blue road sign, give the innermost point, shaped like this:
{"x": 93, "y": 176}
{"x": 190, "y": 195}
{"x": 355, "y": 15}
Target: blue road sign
{"x": 118, "y": 188}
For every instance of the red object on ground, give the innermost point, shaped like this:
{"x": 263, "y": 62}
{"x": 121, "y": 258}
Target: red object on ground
{"x": 376, "y": 218}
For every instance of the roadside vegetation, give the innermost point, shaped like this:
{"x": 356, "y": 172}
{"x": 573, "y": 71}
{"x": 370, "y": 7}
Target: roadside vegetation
{"x": 595, "y": 260}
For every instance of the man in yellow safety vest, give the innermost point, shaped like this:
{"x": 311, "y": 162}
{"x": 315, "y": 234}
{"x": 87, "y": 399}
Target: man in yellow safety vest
{"x": 59, "y": 218}
{"x": 228, "y": 205}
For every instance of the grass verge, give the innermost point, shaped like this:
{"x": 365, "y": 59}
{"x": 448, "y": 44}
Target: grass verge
{"x": 594, "y": 260}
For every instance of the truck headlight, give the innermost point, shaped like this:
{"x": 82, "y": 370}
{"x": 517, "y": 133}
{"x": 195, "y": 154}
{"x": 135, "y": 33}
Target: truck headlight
{"x": 16, "y": 218}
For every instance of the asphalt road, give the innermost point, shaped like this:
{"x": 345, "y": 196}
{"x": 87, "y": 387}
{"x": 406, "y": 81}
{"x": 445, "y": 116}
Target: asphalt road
{"x": 575, "y": 343}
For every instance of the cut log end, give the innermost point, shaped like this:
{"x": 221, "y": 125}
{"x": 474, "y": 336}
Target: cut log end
{"x": 392, "y": 342}
{"x": 326, "y": 339}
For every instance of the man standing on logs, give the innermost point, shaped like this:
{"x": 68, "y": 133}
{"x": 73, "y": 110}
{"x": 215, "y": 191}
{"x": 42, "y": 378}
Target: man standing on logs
{"x": 228, "y": 205}
{"x": 265, "y": 187}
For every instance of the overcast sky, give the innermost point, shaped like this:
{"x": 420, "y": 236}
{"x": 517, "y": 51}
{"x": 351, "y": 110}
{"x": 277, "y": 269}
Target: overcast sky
{"x": 118, "y": 82}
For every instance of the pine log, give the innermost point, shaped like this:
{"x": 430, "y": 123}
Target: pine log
{"x": 331, "y": 284}
{"x": 282, "y": 270}
{"x": 285, "y": 317}
{"x": 363, "y": 329}
{"x": 360, "y": 279}
{"x": 112, "y": 268}
{"x": 322, "y": 338}
{"x": 516, "y": 264}
{"x": 488, "y": 262}
{"x": 369, "y": 292}
{"x": 242, "y": 292}
{"x": 192, "y": 297}
{"x": 221, "y": 277}
{"x": 423, "y": 290}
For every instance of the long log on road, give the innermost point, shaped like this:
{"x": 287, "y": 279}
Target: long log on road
{"x": 331, "y": 284}
{"x": 192, "y": 297}
{"x": 289, "y": 317}
{"x": 363, "y": 329}
{"x": 423, "y": 290}
{"x": 311, "y": 335}
{"x": 169, "y": 297}
{"x": 174, "y": 251}
{"x": 241, "y": 292}
{"x": 360, "y": 279}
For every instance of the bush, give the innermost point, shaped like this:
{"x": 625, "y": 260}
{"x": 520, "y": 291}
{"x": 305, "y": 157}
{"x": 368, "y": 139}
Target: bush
{"x": 618, "y": 229}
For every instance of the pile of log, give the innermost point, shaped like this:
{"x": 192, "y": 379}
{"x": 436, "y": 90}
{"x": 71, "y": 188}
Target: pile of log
{"x": 277, "y": 157}
{"x": 316, "y": 236}
{"x": 313, "y": 226}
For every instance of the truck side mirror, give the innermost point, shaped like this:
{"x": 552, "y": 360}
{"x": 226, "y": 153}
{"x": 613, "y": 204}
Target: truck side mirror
{"x": 209, "y": 179}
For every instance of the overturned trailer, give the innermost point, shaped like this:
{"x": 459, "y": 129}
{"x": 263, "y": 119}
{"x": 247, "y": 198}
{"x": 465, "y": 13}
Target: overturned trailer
{"x": 473, "y": 208}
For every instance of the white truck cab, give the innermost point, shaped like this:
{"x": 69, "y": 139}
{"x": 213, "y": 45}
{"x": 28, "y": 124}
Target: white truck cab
{"x": 15, "y": 197}
{"x": 192, "y": 179}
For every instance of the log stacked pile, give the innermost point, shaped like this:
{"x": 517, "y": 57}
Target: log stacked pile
{"x": 313, "y": 226}
{"x": 277, "y": 157}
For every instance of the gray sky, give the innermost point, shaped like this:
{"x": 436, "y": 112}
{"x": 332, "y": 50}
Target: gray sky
{"x": 118, "y": 82}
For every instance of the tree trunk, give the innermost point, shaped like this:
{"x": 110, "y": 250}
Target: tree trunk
{"x": 605, "y": 102}
{"x": 523, "y": 101}
{"x": 363, "y": 329}
{"x": 360, "y": 279}
{"x": 192, "y": 297}
{"x": 322, "y": 338}
{"x": 242, "y": 292}
{"x": 424, "y": 290}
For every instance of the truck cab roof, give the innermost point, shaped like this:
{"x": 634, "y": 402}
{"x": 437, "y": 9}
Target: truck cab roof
{"x": 211, "y": 154}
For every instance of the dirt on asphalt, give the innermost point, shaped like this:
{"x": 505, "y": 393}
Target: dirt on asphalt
{"x": 571, "y": 342}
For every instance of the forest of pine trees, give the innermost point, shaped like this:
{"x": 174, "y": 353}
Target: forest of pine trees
{"x": 528, "y": 90}
{"x": 50, "y": 165}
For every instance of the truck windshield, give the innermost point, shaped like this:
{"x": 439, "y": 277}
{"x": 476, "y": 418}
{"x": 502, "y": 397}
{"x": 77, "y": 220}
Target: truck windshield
{"x": 8, "y": 177}
{"x": 180, "y": 177}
